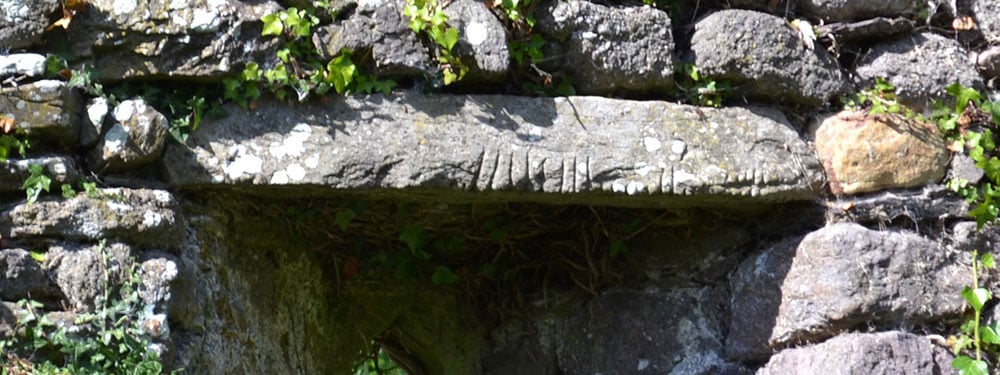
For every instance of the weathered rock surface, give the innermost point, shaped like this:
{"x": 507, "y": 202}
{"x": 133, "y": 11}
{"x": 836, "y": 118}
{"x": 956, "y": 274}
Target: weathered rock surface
{"x": 49, "y": 111}
{"x": 609, "y": 49}
{"x": 943, "y": 61}
{"x": 137, "y": 217}
{"x": 877, "y": 28}
{"x": 482, "y": 40}
{"x": 838, "y": 278}
{"x": 665, "y": 332}
{"x": 137, "y": 137}
{"x": 80, "y": 270}
{"x": 852, "y": 10}
{"x": 22, "y": 64}
{"x": 988, "y": 62}
{"x": 23, "y": 277}
{"x": 61, "y": 169}
{"x": 22, "y": 22}
{"x": 934, "y": 203}
{"x": 862, "y": 152}
{"x": 728, "y": 46}
{"x": 891, "y": 352}
{"x": 383, "y": 29}
{"x": 589, "y": 149}
{"x": 987, "y": 17}
{"x": 193, "y": 38}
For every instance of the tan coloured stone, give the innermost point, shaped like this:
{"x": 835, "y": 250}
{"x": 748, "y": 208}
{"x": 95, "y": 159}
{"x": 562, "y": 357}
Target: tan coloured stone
{"x": 862, "y": 152}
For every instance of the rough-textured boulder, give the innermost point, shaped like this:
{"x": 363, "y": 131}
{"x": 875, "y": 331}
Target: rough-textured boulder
{"x": 727, "y": 46}
{"x": 482, "y": 40}
{"x": 933, "y": 204}
{"x": 22, "y": 22}
{"x": 598, "y": 149}
{"x": 49, "y": 111}
{"x": 852, "y": 10}
{"x": 22, "y": 64}
{"x": 864, "y": 353}
{"x": 82, "y": 272}
{"x": 840, "y": 277}
{"x": 608, "y": 49}
{"x": 137, "y": 217}
{"x": 23, "y": 277}
{"x": 194, "y": 38}
{"x": 987, "y": 16}
{"x": 60, "y": 169}
{"x": 398, "y": 52}
{"x": 136, "y": 138}
{"x": 943, "y": 61}
{"x": 664, "y": 332}
{"x": 383, "y": 29}
{"x": 862, "y": 152}
{"x": 988, "y": 62}
{"x": 96, "y": 112}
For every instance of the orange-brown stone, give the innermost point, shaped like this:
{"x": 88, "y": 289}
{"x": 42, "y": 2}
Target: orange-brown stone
{"x": 862, "y": 152}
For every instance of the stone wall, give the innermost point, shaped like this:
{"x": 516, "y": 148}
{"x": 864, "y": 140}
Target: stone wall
{"x": 473, "y": 229}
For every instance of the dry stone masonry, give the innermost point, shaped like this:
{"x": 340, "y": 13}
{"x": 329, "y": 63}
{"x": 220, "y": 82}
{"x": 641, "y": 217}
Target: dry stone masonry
{"x": 480, "y": 228}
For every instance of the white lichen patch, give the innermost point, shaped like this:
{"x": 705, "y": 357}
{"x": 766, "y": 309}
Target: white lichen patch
{"x": 205, "y": 21}
{"x": 682, "y": 177}
{"x": 96, "y": 110}
{"x": 312, "y": 161}
{"x": 642, "y": 169}
{"x": 123, "y": 8}
{"x": 294, "y": 144}
{"x": 243, "y": 163}
{"x": 119, "y": 208}
{"x": 652, "y": 144}
{"x": 115, "y": 139}
{"x": 534, "y": 133}
{"x": 295, "y": 172}
{"x": 279, "y": 178}
{"x": 151, "y": 219}
{"x": 635, "y": 187}
{"x": 58, "y": 168}
{"x": 14, "y": 11}
{"x": 476, "y": 33}
{"x": 162, "y": 196}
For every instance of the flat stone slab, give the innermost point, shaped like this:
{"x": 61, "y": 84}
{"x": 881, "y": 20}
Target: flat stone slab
{"x": 552, "y": 150}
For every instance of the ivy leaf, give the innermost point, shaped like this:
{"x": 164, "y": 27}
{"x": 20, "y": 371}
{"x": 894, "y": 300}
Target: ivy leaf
{"x": 963, "y": 95}
{"x": 414, "y": 237}
{"x": 342, "y": 71}
{"x": 67, "y": 191}
{"x": 618, "y": 247}
{"x": 988, "y": 335}
{"x": 976, "y": 297}
{"x": 969, "y": 366}
{"x": 988, "y": 261}
{"x": 344, "y": 218}
{"x": 442, "y": 275}
{"x": 38, "y": 256}
{"x": 450, "y": 38}
{"x": 272, "y": 25}
{"x": 35, "y": 183}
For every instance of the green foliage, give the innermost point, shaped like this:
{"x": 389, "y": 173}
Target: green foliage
{"x": 14, "y": 140}
{"x": 974, "y": 335}
{"x": 427, "y": 18}
{"x": 378, "y": 362}
{"x": 36, "y": 182}
{"x": 954, "y": 123}
{"x": 698, "y": 90}
{"x": 298, "y": 68}
{"x": 114, "y": 342}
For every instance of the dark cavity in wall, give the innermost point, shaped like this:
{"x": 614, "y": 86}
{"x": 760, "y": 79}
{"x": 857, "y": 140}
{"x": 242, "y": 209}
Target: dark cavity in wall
{"x": 429, "y": 280}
